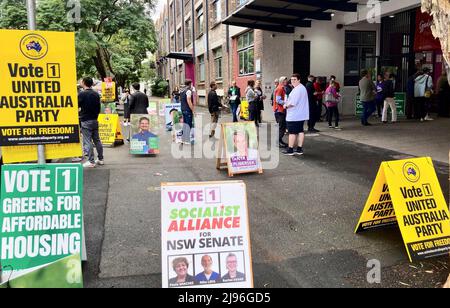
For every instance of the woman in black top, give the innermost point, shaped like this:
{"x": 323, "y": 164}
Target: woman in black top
{"x": 260, "y": 100}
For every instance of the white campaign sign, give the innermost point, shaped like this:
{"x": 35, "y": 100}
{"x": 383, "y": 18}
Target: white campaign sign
{"x": 205, "y": 235}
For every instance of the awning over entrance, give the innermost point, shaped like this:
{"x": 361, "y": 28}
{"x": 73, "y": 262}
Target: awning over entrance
{"x": 185, "y": 56}
{"x": 285, "y": 15}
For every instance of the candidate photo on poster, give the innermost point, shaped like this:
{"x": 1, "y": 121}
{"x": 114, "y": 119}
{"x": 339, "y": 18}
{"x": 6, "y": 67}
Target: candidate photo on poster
{"x": 232, "y": 266}
{"x": 181, "y": 273}
{"x": 143, "y": 140}
{"x": 242, "y": 147}
{"x": 207, "y": 268}
{"x": 109, "y": 108}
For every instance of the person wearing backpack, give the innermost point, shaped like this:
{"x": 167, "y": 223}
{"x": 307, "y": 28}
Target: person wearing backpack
{"x": 332, "y": 98}
{"x": 423, "y": 90}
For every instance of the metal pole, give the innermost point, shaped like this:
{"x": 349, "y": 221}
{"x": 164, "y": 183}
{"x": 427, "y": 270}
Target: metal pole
{"x": 31, "y": 13}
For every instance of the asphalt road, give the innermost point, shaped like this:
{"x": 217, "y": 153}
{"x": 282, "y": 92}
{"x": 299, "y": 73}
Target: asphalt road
{"x": 302, "y": 217}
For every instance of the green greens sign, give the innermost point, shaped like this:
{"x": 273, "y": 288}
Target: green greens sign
{"x": 65, "y": 273}
{"x": 41, "y": 217}
{"x": 400, "y": 102}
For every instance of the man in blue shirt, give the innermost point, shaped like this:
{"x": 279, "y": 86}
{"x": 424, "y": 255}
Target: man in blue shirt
{"x": 208, "y": 275}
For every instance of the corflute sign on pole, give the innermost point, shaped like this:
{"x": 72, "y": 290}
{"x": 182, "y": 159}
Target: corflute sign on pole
{"x": 38, "y": 95}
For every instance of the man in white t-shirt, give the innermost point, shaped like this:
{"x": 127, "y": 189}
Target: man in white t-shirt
{"x": 297, "y": 112}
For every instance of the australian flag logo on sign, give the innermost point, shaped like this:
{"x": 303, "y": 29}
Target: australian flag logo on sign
{"x": 33, "y": 45}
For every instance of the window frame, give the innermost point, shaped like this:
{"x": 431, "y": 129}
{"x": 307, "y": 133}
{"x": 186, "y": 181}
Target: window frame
{"x": 351, "y": 80}
{"x": 218, "y": 62}
{"x": 200, "y": 20}
{"x": 201, "y": 68}
{"x": 245, "y": 48}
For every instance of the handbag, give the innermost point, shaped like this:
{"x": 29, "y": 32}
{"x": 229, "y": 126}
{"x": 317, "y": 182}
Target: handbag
{"x": 428, "y": 91}
{"x": 330, "y": 98}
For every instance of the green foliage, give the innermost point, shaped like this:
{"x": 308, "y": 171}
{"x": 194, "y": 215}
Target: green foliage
{"x": 13, "y": 14}
{"x": 160, "y": 87}
{"x": 147, "y": 73}
{"x": 112, "y": 39}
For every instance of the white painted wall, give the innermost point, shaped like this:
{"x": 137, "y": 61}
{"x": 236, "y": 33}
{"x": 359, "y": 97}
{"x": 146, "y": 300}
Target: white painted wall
{"x": 327, "y": 53}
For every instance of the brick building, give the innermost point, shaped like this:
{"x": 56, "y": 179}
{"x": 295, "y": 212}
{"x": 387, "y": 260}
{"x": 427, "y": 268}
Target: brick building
{"x": 225, "y": 40}
{"x": 222, "y": 53}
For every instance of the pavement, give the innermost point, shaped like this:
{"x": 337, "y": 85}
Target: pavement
{"x": 302, "y": 214}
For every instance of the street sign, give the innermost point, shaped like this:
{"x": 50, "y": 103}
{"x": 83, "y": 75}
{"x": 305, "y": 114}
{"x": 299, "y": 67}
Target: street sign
{"x": 205, "y": 235}
{"x": 38, "y": 95}
{"x": 41, "y": 218}
{"x": 418, "y": 205}
{"x": 238, "y": 146}
{"x": 400, "y": 102}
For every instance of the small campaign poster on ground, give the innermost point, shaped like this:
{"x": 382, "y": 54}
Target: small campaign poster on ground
{"x": 143, "y": 141}
{"x": 172, "y": 111}
{"x": 205, "y": 235}
{"x": 109, "y": 128}
{"x": 239, "y": 147}
{"x": 38, "y": 92}
{"x": 41, "y": 218}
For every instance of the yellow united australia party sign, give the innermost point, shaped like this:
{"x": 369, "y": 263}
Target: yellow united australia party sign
{"x": 38, "y": 95}
{"x": 408, "y": 192}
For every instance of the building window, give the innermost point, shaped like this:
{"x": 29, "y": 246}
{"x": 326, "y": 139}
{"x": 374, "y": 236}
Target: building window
{"x": 200, "y": 21}
{"x": 360, "y": 53}
{"x": 218, "y": 63}
{"x": 201, "y": 68}
{"x": 246, "y": 52}
{"x": 187, "y": 30}
{"x": 179, "y": 40}
{"x": 172, "y": 43}
{"x": 217, "y": 11}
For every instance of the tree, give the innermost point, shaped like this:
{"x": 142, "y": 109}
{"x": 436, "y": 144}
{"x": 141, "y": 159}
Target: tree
{"x": 440, "y": 10}
{"x": 13, "y": 14}
{"x": 112, "y": 39}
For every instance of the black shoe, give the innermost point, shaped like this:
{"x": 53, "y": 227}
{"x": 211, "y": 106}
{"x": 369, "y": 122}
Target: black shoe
{"x": 299, "y": 152}
{"x": 282, "y": 145}
{"x": 289, "y": 152}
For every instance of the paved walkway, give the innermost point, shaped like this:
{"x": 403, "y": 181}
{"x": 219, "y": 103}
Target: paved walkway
{"x": 409, "y": 137}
